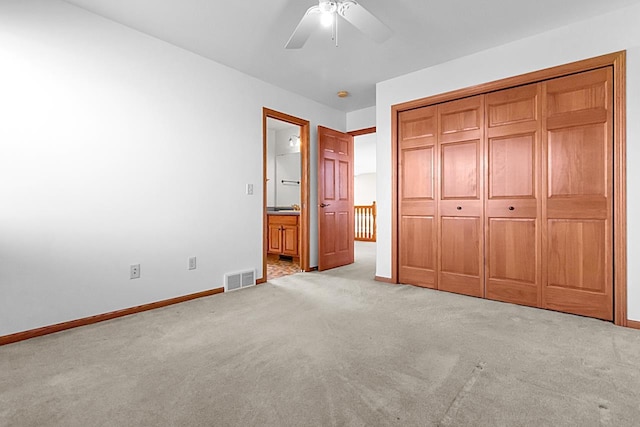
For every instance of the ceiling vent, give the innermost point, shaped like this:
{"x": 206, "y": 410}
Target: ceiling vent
{"x": 239, "y": 280}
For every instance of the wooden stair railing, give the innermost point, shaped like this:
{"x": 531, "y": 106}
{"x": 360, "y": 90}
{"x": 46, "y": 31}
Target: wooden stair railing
{"x": 365, "y": 223}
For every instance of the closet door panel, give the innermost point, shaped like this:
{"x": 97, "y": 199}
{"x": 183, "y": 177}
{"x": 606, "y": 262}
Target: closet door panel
{"x": 460, "y": 205}
{"x": 513, "y": 205}
{"x": 460, "y": 265}
{"x": 571, "y": 262}
{"x": 417, "y": 192}
{"x": 512, "y": 268}
{"x": 575, "y": 155}
{"x": 418, "y": 254}
{"x": 417, "y": 173}
{"x": 460, "y": 170}
{"x": 512, "y": 166}
{"x": 577, "y": 240}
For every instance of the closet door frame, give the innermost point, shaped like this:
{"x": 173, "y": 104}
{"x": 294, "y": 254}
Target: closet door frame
{"x": 615, "y": 60}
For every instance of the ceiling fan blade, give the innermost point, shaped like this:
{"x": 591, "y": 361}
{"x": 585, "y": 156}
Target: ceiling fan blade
{"x": 364, "y": 21}
{"x": 302, "y": 32}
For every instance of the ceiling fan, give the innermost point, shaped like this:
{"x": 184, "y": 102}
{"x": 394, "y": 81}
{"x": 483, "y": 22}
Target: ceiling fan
{"x": 326, "y": 13}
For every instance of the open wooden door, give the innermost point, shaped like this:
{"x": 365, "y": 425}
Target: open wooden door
{"x": 335, "y": 199}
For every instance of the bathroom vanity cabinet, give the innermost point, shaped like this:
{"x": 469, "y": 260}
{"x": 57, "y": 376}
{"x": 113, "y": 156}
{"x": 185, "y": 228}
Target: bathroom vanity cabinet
{"x": 283, "y": 234}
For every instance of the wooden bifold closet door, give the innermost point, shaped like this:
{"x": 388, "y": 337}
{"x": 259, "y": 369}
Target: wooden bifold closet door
{"x": 460, "y": 207}
{"x": 578, "y": 201}
{"x": 513, "y": 201}
{"x": 508, "y": 195}
{"x": 417, "y": 197}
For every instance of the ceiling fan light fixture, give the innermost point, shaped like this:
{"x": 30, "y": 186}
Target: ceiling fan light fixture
{"x": 326, "y": 19}
{"x": 352, "y": 12}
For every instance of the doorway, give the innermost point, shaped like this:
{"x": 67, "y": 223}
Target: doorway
{"x": 364, "y": 185}
{"x": 364, "y": 193}
{"x": 285, "y": 195}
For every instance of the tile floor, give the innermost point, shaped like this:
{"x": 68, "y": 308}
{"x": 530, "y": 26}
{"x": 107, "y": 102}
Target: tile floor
{"x": 278, "y": 267}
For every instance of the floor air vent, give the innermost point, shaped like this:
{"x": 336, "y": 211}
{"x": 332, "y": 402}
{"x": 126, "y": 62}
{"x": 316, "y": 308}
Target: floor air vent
{"x": 242, "y": 279}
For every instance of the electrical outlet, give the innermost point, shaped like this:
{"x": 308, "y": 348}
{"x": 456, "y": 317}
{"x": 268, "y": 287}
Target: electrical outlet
{"x": 192, "y": 263}
{"x": 250, "y": 189}
{"x": 134, "y": 271}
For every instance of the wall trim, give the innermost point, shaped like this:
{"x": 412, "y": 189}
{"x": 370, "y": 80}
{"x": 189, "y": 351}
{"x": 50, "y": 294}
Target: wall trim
{"x": 617, "y": 60}
{"x": 385, "y": 280}
{"x": 364, "y": 131}
{"x": 620, "y": 188}
{"x": 633, "y": 324}
{"x": 45, "y": 330}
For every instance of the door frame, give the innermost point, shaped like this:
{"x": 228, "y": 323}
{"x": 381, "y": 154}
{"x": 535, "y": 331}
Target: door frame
{"x": 363, "y": 131}
{"x": 617, "y": 60}
{"x": 268, "y": 113}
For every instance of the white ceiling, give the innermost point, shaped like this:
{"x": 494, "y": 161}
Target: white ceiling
{"x": 250, "y": 36}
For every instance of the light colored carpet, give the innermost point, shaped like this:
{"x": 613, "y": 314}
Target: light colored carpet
{"x": 328, "y": 349}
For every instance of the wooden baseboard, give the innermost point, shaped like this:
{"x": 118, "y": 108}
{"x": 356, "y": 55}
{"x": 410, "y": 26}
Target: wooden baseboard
{"x": 45, "y": 330}
{"x": 385, "y": 280}
{"x": 633, "y": 324}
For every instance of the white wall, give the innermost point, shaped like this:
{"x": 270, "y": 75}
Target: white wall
{"x": 364, "y": 168}
{"x": 364, "y": 189}
{"x": 364, "y": 154}
{"x": 117, "y": 148}
{"x": 605, "y": 34}
{"x": 361, "y": 119}
{"x": 283, "y": 145}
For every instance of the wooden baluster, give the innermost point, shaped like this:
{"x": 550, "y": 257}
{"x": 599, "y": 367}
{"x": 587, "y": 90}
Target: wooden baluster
{"x": 365, "y": 222}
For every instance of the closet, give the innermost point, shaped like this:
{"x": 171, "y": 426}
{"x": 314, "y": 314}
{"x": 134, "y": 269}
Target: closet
{"x": 508, "y": 195}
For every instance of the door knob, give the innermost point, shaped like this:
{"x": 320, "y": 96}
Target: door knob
{"x": 459, "y": 208}
{"x": 324, "y": 205}
{"x": 511, "y": 208}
